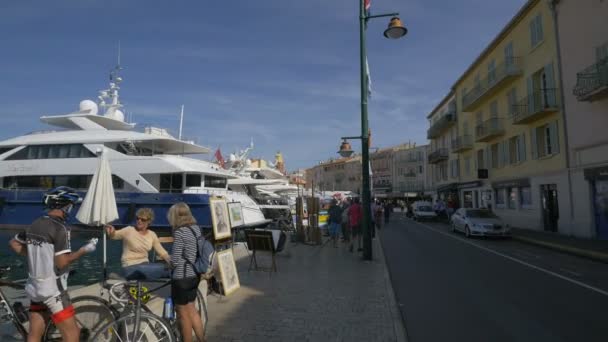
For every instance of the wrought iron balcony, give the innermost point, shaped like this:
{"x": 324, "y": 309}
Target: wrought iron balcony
{"x": 445, "y": 122}
{"x": 489, "y": 130}
{"x": 504, "y": 72}
{"x": 438, "y": 155}
{"x": 535, "y": 106}
{"x": 462, "y": 143}
{"x": 592, "y": 83}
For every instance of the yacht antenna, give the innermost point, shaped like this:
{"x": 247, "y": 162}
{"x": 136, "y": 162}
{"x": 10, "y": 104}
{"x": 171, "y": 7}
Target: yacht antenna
{"x": 181, "y": 122}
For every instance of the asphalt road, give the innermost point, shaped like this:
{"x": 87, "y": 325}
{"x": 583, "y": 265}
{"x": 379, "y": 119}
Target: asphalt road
{"x": 450, "y": 288}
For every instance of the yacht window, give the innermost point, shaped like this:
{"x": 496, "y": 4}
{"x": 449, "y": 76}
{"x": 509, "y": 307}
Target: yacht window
{"x": 193, "y": 180}
{"x": 171, "y": 182}
{"x": 46, "y": 182}
{"x": 5, "y": 149}
{"x": 52, "y": 152}
{"x": 215, "y": 182}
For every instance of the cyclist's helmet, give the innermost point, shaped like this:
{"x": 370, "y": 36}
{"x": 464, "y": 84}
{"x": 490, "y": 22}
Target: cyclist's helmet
{"x": 60, "y": 197}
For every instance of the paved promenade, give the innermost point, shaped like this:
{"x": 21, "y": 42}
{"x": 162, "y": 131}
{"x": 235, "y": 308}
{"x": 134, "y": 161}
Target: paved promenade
{"x": 319, "y": 294}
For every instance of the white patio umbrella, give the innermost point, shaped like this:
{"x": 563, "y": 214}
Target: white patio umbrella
{"x": 99, "y": 205}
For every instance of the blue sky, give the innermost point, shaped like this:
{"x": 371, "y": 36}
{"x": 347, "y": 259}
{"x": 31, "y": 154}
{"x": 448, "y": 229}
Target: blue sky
{"x": 283, "y": 72}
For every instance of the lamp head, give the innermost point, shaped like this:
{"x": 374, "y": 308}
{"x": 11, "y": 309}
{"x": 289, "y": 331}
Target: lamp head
{"x": 395, "y": 29}
{"x": 345, "y": 149}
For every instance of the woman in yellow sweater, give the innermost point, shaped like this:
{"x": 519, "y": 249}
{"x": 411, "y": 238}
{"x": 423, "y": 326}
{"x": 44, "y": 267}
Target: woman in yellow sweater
{"x": 136, "y": 244}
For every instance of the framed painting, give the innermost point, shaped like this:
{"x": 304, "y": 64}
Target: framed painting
{"x": 219, "y": 218}
{"x": 228, "y": 272}
{"x": 236, "y": 214}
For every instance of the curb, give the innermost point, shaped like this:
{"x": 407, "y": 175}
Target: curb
{"x": 597, "y": 256}
{"x": 400, "y": 331}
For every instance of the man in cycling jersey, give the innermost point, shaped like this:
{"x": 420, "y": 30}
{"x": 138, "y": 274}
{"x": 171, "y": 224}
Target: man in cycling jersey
{"x": 46, "y": 243}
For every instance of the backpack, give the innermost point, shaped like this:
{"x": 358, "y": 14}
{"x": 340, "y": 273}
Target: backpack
{"x": 205, "y": 252}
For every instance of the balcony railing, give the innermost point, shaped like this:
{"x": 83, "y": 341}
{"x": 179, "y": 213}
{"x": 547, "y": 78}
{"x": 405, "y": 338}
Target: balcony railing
{"x": 410, "y": 187}
{"x": 489, "y": 129}
{"x": 445, "y": 122}
{"x": 510, "y": 69}
{"x": 438, "y": 155}
{"x": 592, "y": 83}
{"x": 535, "y": 106}
{"x": 462, "y": 143}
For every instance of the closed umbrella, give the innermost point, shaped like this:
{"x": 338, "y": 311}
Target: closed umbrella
{"x": 99, "y": 205}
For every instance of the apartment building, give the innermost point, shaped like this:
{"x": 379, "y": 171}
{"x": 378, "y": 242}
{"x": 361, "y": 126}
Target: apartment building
{"x": 382, "y": 166}
{"x": 511, "y": 126}
{"x": 443, "y": 164}
{"x": 342, "y": 174}
{"x": 410, "y": 171}
{"x": 582, "y": 28}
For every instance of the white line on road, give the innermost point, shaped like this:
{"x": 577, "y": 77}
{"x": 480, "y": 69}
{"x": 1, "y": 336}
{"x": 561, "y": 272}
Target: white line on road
{"x": 589, "y": 287}
{"x": 526, "y": 254}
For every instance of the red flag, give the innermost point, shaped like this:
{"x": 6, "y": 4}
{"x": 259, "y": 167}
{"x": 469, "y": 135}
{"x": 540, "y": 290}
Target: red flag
{"x": 219, "y": 158}
{"x": 367, "y": 5}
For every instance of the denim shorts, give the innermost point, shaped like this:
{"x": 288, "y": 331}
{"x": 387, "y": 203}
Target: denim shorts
{"x": 146, "y": 270}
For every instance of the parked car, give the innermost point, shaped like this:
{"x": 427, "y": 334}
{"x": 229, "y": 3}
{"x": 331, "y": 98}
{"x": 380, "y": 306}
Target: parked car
{"x": 422, "y": 210}
{"x": 478, "y": 222}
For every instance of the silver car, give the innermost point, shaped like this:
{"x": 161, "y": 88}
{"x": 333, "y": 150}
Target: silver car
{"x": 478, "y": 222}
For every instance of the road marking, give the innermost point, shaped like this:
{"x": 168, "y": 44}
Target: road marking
{"x": 573, "y": 281}
{"x": 526, "y": 254}
{"x": 576, "y": 274}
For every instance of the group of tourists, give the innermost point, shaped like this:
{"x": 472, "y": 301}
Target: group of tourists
{"x": 344, "y": 222}
{"x": 46, "y": 244}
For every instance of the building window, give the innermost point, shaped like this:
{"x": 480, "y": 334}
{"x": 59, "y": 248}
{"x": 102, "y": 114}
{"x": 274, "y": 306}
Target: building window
{"x": 536, "y": 31}
{"x": 511, "y": 101}
{"x": 494, "y": 109}
{"x": 420, "y": 169}
{"x": 492, "y": 72}
{"x": 480, "y": 161}
{"x": 467, "y": 166}
{"x": 494, "y": 153}
{"x": 546, "y": 140}
{"x": 512, "y": 193}
{"x": 514, "y": 150}
{"x": 525, "y": 197}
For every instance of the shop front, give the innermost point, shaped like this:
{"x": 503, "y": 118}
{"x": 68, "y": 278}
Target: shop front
{"x": 475, "y": 194}
{"x": 598, "y": 179}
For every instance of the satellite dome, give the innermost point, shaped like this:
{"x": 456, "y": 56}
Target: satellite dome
{"x": 118, "y": 115}
{"x": 88, "y": 106}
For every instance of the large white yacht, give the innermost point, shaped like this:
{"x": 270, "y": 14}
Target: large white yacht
{"x": 149, "y": 167}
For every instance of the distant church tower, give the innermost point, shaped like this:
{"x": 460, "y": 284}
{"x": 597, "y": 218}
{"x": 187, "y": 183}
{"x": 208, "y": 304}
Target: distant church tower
{"x": 279, "y": 162}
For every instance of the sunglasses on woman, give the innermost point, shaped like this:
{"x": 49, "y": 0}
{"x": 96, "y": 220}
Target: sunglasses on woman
{"x": 143, "y": 219}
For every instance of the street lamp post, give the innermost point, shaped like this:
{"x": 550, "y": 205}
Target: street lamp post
{"x": 395, "y": 30}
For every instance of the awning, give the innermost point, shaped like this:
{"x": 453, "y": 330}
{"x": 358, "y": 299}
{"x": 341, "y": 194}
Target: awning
{"x": 448, "y": 187}
{"x": 474, "y": 184}
{"x": 513, "y": 183}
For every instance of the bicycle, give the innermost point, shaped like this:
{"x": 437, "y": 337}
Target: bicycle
{"x": 19, "y": 314}
{"x": 136, "y": 321}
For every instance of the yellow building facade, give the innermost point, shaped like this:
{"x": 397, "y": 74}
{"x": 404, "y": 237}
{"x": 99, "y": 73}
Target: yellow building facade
{"x": 510, "y": 135}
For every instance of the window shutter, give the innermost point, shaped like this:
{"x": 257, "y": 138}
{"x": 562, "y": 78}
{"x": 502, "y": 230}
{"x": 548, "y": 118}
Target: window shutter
{"x": 488, "y": 161}
{"x": 522, "y": 147}
{"x": 533, "y": 147}
{"x": 532, "y": 33}
{"x": 506, "y": 152}
{"x": 550, "y": 94}
{"x": 530, "y": 96}
{"x": 539, "y": 27}
{"x": 489, "y": 153}
{"x": 500, "y": 157}
{"x": 554, "y": 131}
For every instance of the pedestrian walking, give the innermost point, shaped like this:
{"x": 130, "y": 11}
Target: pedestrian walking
{"x": 388, "y": 208}
{"x": 377, "y": 214}
{"x": 355, "y": 214}
{"x": 345, "y": 225}
{"x": 334, "y": 221}
{"x": 47, "y": 246}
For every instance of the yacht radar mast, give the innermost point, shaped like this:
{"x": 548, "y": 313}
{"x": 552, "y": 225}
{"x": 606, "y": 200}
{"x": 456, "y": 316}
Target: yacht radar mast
{"x": 109, "y": 98}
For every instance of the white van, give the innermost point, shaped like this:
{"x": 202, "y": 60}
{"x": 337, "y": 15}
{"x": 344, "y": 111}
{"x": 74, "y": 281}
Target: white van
{"x": 423, "y": 210}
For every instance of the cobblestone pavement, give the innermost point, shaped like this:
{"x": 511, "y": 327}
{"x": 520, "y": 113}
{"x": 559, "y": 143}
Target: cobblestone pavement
{"x": 320, "y": 293}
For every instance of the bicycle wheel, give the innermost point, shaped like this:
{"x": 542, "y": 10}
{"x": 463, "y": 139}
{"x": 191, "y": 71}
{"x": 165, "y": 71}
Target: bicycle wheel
{"x": 201, "y": 307}
{"x": 151, "y": 329}
{"x": 91, "y": 314}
